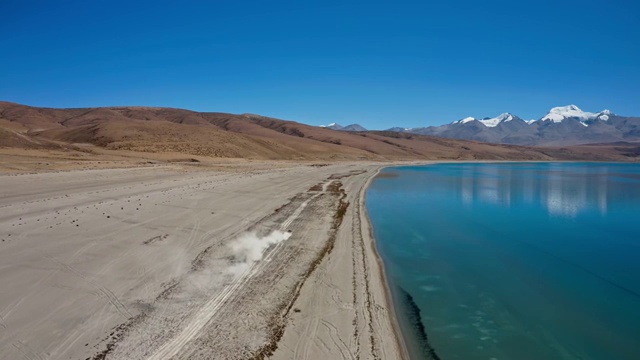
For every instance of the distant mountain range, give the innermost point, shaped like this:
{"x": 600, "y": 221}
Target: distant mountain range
{"x": 95, "y": 134}
{"x": 561, "y": 126}
{"x": 352, "y": 127}
{"x": 92, "y": 134}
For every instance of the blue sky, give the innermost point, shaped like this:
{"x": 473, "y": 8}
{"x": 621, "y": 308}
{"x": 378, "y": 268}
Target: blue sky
{"x": 378, "y": 63}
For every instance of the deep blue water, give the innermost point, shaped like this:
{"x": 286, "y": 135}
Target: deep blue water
{"x": 512, "y": 261}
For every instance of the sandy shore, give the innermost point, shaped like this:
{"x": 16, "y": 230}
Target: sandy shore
{"x": 162, "y": 262}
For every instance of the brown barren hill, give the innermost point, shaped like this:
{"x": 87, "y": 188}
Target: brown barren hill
{"x": 153, "y": 130}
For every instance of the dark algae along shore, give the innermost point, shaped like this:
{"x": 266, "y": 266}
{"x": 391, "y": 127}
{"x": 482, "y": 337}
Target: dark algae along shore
{"x": 411, "y": 319}
{"x": 512, "y": 260}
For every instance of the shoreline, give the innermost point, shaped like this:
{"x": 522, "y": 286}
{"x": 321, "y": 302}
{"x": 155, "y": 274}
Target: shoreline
{"x": 344, "y": 309}
{"x": 393, "y": 316}
{"x": 403, "y": 335}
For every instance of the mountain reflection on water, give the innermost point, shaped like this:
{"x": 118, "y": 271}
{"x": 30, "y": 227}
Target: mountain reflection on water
{"x": 512, "y": 260}
{"x": 563, "y": 189}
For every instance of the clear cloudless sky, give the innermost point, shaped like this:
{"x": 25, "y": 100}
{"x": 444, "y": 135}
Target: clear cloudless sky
{"x": 377, "y": 63}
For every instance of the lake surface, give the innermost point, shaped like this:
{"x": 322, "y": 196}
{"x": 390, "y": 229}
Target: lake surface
{"x": 512, "y": 261}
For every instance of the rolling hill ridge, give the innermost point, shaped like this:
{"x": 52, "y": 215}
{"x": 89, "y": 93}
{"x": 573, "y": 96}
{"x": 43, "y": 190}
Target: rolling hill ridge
{"x": 248, "y": 136}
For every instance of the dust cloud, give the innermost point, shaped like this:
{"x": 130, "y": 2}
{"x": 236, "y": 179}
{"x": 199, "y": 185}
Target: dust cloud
{"x": 250, "y": 247}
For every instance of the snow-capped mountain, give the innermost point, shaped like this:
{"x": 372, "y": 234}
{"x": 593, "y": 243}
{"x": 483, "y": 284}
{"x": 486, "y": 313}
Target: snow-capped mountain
{"x": 399, "y": 129}
{"x": 563, "y": 125}
{"x": 558, "y": 114}
{"x": 465, "y": 120}
{"x": 332, "y": 126}
{"x": 489, "y": 122}
{"x": 493, "y": 122}
{"x": 352, "y": 127}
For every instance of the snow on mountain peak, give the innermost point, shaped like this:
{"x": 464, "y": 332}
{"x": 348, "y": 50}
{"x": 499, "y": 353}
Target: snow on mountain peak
{"x": 493, "y": 122}
{"x": 332, "y": 126}
{"x": 557, "y": 114}
{"x": 567, "y": 108}
{"x": 465, "y": 120}
{"x": 604, "y": 114}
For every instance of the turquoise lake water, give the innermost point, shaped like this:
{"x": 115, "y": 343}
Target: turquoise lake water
{"x": 512, "y": 261}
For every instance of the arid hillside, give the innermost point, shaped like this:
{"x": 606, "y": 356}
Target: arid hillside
{"x": 148, "y": 130}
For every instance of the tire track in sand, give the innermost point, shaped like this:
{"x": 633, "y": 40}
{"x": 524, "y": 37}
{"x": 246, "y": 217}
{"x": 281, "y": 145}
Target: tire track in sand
{"x": 204, "y": 315}
{"x": 108, "y": 294}
{"x": 360, "y": 248}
